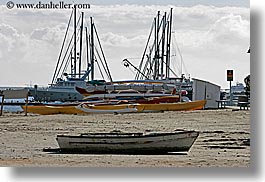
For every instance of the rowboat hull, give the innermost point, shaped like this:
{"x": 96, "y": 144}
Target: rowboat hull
{"x": 129, "y": 143}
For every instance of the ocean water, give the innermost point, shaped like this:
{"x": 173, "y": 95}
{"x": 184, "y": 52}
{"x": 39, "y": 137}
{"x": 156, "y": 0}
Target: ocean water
{"x": 14, "y": 108}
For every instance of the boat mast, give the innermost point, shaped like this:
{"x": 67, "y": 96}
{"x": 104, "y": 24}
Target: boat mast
{"x": 56, "y": 72}
{"x": 87, "y": 47}
{"x": 163, "y": 45}
{"x": 137, "y": 76}
{"x": 156, "y": 57}
{"x": 74, "y": 41}
{"x": 92, "y": 48}
{"x": 80, "y": 52}
{"x": 105, "y": 65}
{"x": 168, "y": 44}
{"x": 152, "y": 63}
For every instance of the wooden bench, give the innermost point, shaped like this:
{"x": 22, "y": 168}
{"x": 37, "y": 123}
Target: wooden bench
{"x": 222, "y": 103}
{"x": 243, "y": 105}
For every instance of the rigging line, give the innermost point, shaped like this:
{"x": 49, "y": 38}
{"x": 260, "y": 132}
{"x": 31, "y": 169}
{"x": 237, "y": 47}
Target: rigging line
{"x": 175, "y": 58}
{"x": 67, "y": 63}
{"x": 152, "y": 48}
{"x": 89, "y": 47}
{"x": 147, "y": 43}
{"x": 58, "y": 72}
{"x": 65, "y": 55}
{"x": 182, "y": 61}
{"x": 150, "y": 70}
{"x": 181, "y": 57}
{"x": 170, "y": 69}
{"x": 62, "y": 46}
{"x": 101, "y": 61}
{"x": 148, "y": 62}
{"x": 106, "y": 64}
{"x": 84, "y": 50}
{"x": 87, "y": 24}
{"x": 99, "y": 69}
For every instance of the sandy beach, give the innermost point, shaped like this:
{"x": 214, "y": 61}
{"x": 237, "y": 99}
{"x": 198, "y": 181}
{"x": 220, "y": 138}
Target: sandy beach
{"x": 223, "y": 139}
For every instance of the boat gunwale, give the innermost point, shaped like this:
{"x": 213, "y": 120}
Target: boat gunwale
{"x": 126, "y": 135}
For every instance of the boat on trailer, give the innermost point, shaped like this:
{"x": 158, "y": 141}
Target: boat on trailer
{"x": 128, "y": 143}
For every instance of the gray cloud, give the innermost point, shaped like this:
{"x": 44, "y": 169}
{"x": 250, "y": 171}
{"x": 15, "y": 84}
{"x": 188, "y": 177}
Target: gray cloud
{"x": 206, "y": 35}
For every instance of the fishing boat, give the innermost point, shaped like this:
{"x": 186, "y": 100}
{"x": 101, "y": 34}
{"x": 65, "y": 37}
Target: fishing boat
{"x": 128, "y": 143}
{"x": 70, "y": 70}
{"x": 159, "y": 56}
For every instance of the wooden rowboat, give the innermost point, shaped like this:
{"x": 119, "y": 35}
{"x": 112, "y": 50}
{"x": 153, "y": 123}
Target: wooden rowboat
{"x": 127, "y": 143}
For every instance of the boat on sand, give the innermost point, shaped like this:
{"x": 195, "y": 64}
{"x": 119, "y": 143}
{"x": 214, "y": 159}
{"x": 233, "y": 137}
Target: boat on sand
{"x": 179, "y": 106}
{"x": 127, "y": 143}
{"x": 84, "y": 108}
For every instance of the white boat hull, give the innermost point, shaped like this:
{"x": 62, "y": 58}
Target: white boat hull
{"x": 128, "y": 143}
{"x": 102, "y": 111}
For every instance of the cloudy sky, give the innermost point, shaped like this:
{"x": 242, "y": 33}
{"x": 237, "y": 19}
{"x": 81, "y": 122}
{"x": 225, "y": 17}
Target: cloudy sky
{"x": 213, "y": 36}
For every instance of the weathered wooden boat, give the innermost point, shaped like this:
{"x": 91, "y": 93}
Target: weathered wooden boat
{"x": 128, "y": 143}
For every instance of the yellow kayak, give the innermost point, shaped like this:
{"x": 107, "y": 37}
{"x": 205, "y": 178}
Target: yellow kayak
{"x": 49, "y": 110}
{"x": 179, "y": 106}
{"x": 82, "y": 109}
{"x": 114, "y": 108}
